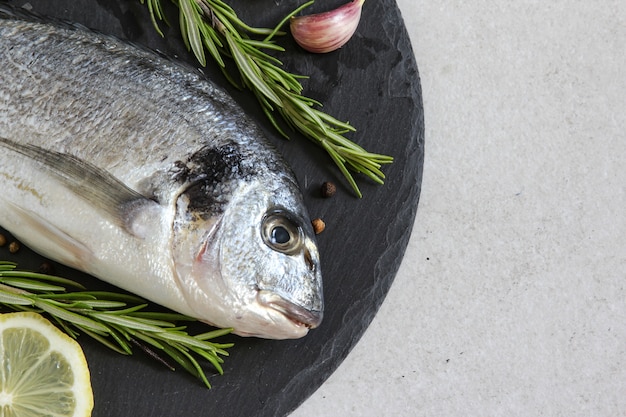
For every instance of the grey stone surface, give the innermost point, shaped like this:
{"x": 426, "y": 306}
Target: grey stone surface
{"x": 373, "y": 83}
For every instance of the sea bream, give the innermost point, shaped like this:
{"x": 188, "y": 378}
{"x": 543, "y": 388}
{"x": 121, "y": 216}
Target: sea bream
{"x": 126, "y": 165}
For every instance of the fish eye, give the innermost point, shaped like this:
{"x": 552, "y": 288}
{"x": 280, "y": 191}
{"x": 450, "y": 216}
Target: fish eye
{"x": 280, "y": 236}
{"x": 281, "y": 233}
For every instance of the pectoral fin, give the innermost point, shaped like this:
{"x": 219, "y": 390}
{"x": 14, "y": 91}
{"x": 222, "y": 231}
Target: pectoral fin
{"x": 99, "y": 188}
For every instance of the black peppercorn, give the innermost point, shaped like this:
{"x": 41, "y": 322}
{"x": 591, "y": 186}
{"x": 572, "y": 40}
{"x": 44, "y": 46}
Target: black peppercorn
{"x": 328, "y": 189}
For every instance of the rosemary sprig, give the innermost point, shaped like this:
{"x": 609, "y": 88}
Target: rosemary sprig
{"x": 213, "y": 25}
{"x": 116, "y": 320}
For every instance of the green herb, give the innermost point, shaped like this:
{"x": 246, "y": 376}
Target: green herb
{"x": 118, "y": 321}
{"x": 212, "y": 25}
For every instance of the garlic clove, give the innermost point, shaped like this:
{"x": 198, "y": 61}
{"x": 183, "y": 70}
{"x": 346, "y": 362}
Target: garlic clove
{"x": 327, "y": 31}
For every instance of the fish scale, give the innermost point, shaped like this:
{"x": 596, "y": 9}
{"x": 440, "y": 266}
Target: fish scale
{"x": 136, "y": 169}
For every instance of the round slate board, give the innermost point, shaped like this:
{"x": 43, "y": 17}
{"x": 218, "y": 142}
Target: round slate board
{"x": 373, "y": 83}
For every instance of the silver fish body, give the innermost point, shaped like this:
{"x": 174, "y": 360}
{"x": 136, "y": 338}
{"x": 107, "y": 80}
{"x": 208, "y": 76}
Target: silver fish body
{"x": 135, "y": 169}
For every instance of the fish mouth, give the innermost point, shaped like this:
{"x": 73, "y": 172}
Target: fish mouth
{"x": 299, "y": 315}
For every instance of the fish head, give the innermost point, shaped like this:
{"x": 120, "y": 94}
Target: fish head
{"x": 254, "y": 265}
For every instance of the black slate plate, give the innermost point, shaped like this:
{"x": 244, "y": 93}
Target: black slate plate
{"x": 372, "y": 82}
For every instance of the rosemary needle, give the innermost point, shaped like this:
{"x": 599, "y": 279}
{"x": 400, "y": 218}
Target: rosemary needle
{"x": 213, "y": 25}
{"x": 116, "y": 320}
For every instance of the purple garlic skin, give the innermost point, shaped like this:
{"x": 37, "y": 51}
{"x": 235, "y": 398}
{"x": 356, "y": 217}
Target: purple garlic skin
{"x": 327, "y": 31}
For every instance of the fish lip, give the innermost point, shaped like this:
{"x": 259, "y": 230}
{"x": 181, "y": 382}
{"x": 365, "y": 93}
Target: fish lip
{"x": 297, "y": 314}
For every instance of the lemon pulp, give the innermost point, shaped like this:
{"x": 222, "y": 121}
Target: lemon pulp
{"x": 43, "y": 372}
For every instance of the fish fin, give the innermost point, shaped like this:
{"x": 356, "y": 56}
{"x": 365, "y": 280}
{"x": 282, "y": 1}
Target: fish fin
{"x": 51, "y": 240}
{"x": 98, "y": 187}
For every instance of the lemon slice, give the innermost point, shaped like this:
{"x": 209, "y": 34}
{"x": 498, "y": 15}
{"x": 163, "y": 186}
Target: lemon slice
{"x": 43, "y": 371}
